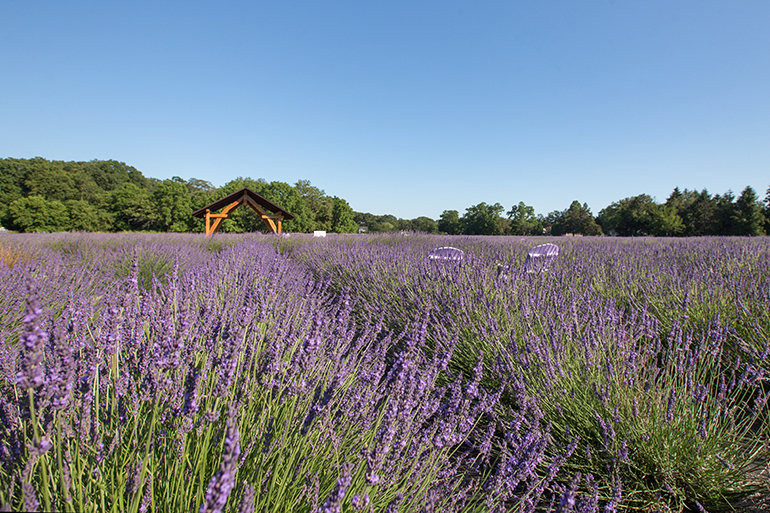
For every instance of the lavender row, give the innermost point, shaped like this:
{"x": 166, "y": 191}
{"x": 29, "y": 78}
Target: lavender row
{"x": 257, "y": 373}
{"x": 649, "y": 356}
{"x": 233, "y": 381}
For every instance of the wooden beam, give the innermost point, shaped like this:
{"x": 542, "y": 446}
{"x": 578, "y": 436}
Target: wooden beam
{"x": 273, "y": 222}
{"x": 267, "y": 219}
{"x": 210, "y": 229}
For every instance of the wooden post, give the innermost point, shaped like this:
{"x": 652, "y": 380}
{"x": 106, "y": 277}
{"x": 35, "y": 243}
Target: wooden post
{"x": 274, "y": 222}
{"x": 267, "y": 219}
{"x": 219, "y": 217}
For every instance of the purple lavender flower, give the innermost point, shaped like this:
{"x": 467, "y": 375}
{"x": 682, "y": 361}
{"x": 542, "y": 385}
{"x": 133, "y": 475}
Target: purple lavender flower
{"x": 332, "y": 504}
{"x": 30, "y": 497}
{"x": 61, "y": 376}
{"x": 359, "y": 502}
{"x": 222, "y": 483}
{"x": 671, "y": 404}
{"x": 567, "y": 501}
{"x": 247, "y": 500}
{"x": 32, "y": 373}
{"x": 724, "y": 462}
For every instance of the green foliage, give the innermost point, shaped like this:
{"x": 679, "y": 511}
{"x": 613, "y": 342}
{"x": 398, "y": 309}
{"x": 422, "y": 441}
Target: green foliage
{"x": 11, "y": 175}
{"x": 132, "y": 208}
{"x": 36, "y": 214}
{"x": 342, "y": 217}
{"x": 449, "y": 222}
{"x": 667, "y": 222}
{"x": 172, "y": 205}
{"x": 83, "y": 216}
{"x": 640, "y": 216}
{"x": 51, "y": 181}
{"x": 576, "y": 220}
{"x": 318, "y": 203}
{"x": 523, "y": 220}
{"x": 698, "y": 211}
{"x": 286, "y": 197}
{"x": 424, "y": 224}
{"x": 121, "y": 198}
{"x": 751, "y": 221}
{"x": 482, "y": 219}
{"x": 766, "y": 211}
{"x": 378, "y": 224}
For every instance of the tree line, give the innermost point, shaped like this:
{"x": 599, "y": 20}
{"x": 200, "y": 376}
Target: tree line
{"x": 684, "y": 213}
{"x": 38, "y": 195}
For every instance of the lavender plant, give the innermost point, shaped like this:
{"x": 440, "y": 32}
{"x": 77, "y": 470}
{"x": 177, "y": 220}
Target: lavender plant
{"x": 238, "y": 383}
{"x": 255, "y": 373}
{"x": 622, "y": 348}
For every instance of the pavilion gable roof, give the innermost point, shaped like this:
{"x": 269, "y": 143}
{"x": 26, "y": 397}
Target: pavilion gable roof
{"x": 230, "y": 198}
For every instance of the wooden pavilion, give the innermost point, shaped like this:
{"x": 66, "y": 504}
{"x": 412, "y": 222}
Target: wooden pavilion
{"x": 248, "y": 197}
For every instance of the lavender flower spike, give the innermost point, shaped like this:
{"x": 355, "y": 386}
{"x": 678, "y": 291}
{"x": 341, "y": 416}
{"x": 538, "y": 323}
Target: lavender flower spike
{"x": 332, "y": 504}
{"x": 223, "y": 482}
{"x": 32, "y": 374}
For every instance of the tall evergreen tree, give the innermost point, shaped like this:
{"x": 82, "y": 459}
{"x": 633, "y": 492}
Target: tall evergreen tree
{"x": 751, "y": 220}
{"x": 766, "y": 211}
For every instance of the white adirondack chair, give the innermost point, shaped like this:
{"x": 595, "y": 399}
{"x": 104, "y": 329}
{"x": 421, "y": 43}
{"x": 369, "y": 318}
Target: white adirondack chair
{"x": 446, "y": 254}
{"x": 539, "y": 260}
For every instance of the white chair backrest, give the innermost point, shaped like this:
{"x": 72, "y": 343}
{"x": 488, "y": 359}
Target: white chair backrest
{"x": 540, "y": 258}
{"x": 446, "y": 254}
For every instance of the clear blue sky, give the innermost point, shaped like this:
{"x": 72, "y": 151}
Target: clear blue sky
{"x": 402, "y": 107}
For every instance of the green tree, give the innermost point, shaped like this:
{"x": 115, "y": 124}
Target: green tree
{"x": 378, "y": 224}
{"x": 384, "y": 223}
{"x": 195, "y": 185}
{"x": 173, "y": 206}
{"x": 318, "y": 203}
{"x": 424, "y": 224}
{"x": 83, "y": 216}
{"x": 523, "y": 220}
{"x": 132, "y": 208}
{"x": 50, "y": 180}
{"x": 576, "y": 220}
{"x": 286, "y": 197}
{"x": 110, "y": 175}
{"x": 36, "y": 214}
{"x": 629, "y": 217}
{"x": 482, "y": 219}
{"x": 766, "y": 211}
{"x": 727, "y": 215}
{"x": 12, "y": 173}
{"x": 362, "y": 219}
{"x": 83, "y": 185}
{"x": 449, "y": 222}
{"x": 667, "y": 222}
{"x": 698, "y": 211}
{"x": 751, "y": 221}
{"x": 342, "y": 217}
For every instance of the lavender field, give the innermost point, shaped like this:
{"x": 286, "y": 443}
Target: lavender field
{"x": 260, "y": 373}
